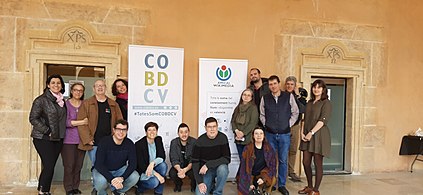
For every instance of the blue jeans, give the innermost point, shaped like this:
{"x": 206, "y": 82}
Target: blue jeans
{"x": 240, "y": 149}
{"x": 280, "y": 143}
{"x": 101, "y": 182}
{"x": 91, "y": 155}
{"x": 153, "y": 182}
{"x": 220, "y": 174}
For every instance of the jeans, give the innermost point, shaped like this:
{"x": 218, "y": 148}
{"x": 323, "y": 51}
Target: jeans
{"x": 240, "y": 149}
{"x": 280, "y": 143}
{"x": 220, "y": 174}
{"x": 153, "y": 182}
{"x": 101, "y": 182}
{"x": 91, "y": 155}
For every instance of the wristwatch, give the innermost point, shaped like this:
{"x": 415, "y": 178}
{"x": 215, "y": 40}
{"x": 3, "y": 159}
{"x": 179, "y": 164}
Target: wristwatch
{"x": 312, "y": 132}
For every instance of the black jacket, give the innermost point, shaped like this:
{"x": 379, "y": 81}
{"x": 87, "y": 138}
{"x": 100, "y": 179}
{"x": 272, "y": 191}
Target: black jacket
{"x": 143, "y": 158}
{"x": 175, "y": 154}
{"x": 47, "y": 117}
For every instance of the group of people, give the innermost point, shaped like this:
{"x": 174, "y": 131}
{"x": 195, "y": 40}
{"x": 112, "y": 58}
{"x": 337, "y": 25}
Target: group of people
{"x": 265, "y": 123}
{"x": 268, "y": 126}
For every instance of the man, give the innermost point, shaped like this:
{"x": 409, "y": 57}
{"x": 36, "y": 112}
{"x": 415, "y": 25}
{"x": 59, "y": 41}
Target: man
{"x": 300, "y": 95}
{"x": 102, "y": 113}
{"x": 278, "y": 112}
{"x": 259, "y": 86}
{"x": 116, "y": 162}
{"x": 180, "y": 157}
{"x": 210, "y": 159}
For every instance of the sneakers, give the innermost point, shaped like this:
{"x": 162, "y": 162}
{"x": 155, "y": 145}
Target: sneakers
{"x": 306, "y": 190}
{"x": 294, "y": 177}
{"x": 283, "y": 190}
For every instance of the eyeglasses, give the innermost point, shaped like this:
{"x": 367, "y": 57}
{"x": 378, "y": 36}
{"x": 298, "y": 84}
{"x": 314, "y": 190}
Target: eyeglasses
{"x": 121, "y": 130}
{"x": 78, "y": 90}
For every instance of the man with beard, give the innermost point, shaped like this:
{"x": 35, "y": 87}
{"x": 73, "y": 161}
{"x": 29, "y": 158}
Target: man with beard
{"x": 180, "y": 157}
{"x": 259, "y": 86}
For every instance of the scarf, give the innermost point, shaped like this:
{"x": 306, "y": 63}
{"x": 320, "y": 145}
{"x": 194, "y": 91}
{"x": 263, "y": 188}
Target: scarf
{"x": 240, "y": 113}
{"x": 59, "y": 98}
{"x": 122, "y": 96}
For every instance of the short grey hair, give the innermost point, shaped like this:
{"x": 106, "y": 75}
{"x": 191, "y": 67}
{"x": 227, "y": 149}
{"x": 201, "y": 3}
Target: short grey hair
{"x": 291, "y": 78}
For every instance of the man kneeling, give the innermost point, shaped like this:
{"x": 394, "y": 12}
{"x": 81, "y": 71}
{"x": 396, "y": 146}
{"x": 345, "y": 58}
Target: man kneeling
{"x": 210, "y": 159}
{"x": 115, "y": 162}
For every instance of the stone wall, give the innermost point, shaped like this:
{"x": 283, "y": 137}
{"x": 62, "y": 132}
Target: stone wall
{"x": 274, "y": 35}
{"x": 302, "y": 45}
{"x": 23, "y": 22}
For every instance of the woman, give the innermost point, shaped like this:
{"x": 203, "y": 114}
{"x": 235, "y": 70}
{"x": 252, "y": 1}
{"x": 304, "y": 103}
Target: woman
{"x": 120, "y": 90}
{"x": 258, "y": 169}
{"x": 151, "y": 160}
{"x": 72, "y": 157}
{"x": 48, "y": 120}
{"x": 315, "y": 136}
{"x": 244, "y": 119}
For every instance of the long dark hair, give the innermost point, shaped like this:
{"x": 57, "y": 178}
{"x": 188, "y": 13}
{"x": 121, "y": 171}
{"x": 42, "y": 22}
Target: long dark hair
{"x": 258, "y": 128}
{"x": 57, "y": 76}
{"x": 115, "y": 92}
{"x": 322, "y": 84}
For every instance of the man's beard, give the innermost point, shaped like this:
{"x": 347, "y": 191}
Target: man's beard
{"x": 256, "y": 81}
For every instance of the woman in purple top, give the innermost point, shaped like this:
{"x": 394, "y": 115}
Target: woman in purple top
{"x": 72, "y": 157}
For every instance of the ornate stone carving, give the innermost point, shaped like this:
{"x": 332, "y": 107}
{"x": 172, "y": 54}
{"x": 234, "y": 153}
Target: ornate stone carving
{"x": 334, "y": 54}
{"x": 77, "y": 37}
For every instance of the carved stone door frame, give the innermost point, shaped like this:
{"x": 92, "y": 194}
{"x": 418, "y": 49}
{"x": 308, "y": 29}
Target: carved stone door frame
{"x": 72, "y": 43}
{"x": 334, "y": 60}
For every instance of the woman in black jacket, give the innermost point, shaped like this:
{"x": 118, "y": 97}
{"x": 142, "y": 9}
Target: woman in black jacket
{"x": 120, "y": 90}
{"x": 48, "y": 120}
{"x": 151, "y": 158}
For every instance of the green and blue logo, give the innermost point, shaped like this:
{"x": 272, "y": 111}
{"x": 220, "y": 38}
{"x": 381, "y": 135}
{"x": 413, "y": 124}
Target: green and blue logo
{"x": 223, "y": 73}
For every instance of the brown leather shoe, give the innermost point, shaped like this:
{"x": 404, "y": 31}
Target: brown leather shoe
{"x": 306, "y": 190}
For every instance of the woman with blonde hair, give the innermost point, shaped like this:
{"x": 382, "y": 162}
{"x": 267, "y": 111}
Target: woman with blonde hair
{"x": 244, "y": 119}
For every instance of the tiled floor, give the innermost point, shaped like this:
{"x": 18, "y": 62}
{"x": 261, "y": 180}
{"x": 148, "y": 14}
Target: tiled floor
{"x": 401, "y": 183}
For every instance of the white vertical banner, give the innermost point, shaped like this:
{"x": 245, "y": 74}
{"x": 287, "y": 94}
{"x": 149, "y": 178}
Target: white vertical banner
{"x": 220, "y": 85}
{"x": 155, "y": 77}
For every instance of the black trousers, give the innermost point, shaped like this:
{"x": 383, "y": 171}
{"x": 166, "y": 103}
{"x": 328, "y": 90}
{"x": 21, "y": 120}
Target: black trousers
{"x": 49, "y": 152}
{"x": 173, "y": 174}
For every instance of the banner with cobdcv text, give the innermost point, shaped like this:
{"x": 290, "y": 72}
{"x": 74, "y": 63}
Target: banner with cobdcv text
{"x": 155, "y": 77}
{"x": 220, "y": 85}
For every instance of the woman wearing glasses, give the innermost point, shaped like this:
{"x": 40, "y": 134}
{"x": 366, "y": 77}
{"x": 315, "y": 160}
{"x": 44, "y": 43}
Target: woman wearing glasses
{"x": 73, "y": 158}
